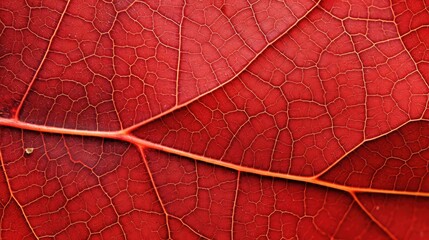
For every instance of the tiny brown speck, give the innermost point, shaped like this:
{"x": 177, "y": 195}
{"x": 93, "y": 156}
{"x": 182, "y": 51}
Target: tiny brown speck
{"x": 29, "y": 150}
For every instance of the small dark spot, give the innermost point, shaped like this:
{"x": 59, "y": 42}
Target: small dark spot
{"x": 9, "y": 108}
{"x": 5, "y": 112}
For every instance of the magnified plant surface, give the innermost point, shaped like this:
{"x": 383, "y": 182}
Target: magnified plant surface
{"x": 211, "y": 119}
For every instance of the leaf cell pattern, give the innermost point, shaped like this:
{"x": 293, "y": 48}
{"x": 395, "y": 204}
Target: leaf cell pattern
{"x": 216, "y": 119}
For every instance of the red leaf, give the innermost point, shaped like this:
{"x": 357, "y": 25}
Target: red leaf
{"x": 214, "y": 119}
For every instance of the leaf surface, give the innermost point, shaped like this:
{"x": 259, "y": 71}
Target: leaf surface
{"x": 214, "y": 119}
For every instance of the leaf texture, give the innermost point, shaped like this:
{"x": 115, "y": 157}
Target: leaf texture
{"x": 214, "y": 119}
